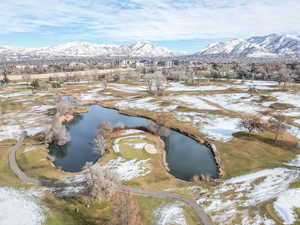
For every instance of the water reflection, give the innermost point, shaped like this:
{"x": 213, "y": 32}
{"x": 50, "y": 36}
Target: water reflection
{"x": 185, "y": 156}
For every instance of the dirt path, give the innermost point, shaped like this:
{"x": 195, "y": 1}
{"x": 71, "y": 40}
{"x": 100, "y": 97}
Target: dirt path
{"x": 203, "y": 217}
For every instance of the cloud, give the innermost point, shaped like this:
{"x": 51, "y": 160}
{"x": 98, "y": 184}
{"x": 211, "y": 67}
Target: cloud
{"x": 131, "y": 20}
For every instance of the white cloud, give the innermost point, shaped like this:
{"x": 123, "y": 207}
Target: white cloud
{"x": 133, "y": 20}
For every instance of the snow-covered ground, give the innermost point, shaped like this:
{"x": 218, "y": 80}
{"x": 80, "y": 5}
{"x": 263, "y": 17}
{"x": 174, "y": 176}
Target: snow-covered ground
{"x": 191, "y": 101}
{"x": 234, "y": 197}
{"x": 285, "y": 204}
{"x": 128, "y": 88}
{"x": 170, "y": 214}
{"x": 16, "y": 94}
{"x": 129, "y": 169}
{"x": 20, "y": 207}
{"x": 216, "y": 127}
{"x": 42, "y": 107}
{"x": 297, "y": 121}
{"x": 131, "y": 131}
{"x": 32, "y": 122}
{"x": 237, "y": 102}
{"x": 257, "y": 84}
{"x": 94, "y": 95}
{"x": 291, "y": 112}
{"x": 292, "y": 98}
{"x": 294, "y": 162}
{"x": 148, "y": 104}
{"x": 116, "y": 143}
{"x": 176, "y": 86}
{"x": 295, "y": 131}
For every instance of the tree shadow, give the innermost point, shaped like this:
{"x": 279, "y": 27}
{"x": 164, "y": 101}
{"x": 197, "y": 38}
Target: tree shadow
{"x": 284, "y": 144}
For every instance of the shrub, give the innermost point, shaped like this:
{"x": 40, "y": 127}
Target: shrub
{"x": 251, "y": 123}
{"x": 35, "y": 84}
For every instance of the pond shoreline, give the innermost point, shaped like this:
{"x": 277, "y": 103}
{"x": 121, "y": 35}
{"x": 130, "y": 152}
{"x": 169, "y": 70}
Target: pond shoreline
{"x": 209, "y": 145}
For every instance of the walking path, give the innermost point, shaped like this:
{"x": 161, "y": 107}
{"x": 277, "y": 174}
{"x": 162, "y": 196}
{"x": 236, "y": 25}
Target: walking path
{"x": 203, "y": 217}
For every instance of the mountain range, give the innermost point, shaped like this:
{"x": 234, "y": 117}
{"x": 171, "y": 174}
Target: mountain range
{"x": 85, "y": 49}
{"x": 273, "y": 45}
{"x": 269, "y": 46}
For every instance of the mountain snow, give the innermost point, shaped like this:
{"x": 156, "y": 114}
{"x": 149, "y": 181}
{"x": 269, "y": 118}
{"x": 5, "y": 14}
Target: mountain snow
{"x": 85, "y": 49}
{"x": 273, "y": 45}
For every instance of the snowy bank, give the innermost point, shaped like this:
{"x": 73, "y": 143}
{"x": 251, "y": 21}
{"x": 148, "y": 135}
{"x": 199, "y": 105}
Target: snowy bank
{"x": 285, "y": 204}
{"x": 129, "y": 169}
{"x": 20, "y": 207}
{"x": 235, "y": 196}
{"x": 192, "y": 101}
{"x": 216, "y": 127}
{"x": 170, "y": 214}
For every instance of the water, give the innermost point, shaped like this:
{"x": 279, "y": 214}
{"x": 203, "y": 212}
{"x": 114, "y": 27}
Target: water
{"x": 185, "y": 157}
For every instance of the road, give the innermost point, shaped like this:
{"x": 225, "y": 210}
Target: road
{"x": 203, "y": 217}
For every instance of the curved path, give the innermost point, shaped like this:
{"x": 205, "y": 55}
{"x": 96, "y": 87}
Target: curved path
{"x": 203, "y": 217}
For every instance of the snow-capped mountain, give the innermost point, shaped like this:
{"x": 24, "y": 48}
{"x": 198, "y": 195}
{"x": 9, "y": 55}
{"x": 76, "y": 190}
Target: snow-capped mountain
{"x": 85, "y": 49}
{"x": 273, "y": 45}
{"x": 142, "y": 49}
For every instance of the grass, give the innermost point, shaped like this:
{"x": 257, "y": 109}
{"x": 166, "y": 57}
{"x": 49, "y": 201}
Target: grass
{"x": 295, "y": 184}
{"x": 267, "y": 208}
{"x": 159, "y": 178}
{"x": 246, "y": 154}
{"x": 190, "y": 216}
{"x": 7, "y": 177}
{"x": 75, "y": 211}
{"x": 241, "y": 155}
{"x": 129, "y": 152}
{"x": 36, "y": 163}
{"x": 147, "y": 207}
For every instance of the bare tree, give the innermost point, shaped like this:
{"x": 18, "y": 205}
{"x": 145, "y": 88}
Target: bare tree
{"x": 104, "y": 84}
{"x": 64, "y": 104}
{"x": 105, "y": 129}
{"x": 101, "y": 182}
{"x": 119, "y": 125}
{"x": 155, "y": 82}
{"x": 125, "y": 210}
{"x": 277, "y": 125}
{"x": 251, "y": 123}
{"x": 99, "y": 144}
{"x": 158, "y": 129}
{"x": 57, "y": 132}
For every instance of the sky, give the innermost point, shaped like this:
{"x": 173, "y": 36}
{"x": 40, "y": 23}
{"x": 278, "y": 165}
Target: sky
{"x": 188, "y": 25}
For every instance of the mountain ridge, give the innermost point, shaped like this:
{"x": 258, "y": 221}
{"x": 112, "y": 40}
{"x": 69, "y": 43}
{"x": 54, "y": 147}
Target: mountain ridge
{"x": 269, "y": 46}
{"x": 86, "y": 49}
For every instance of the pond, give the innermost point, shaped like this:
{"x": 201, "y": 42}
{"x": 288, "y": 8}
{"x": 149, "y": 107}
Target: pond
{"x": 185, "y": 156}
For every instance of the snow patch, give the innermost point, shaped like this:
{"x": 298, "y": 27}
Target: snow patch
{"x": 285, "y": 204}
{"x": 170, "y": 214}
{"x": 294, "y": 162}
{"x": 131, "y": 131}
{"x": 19, "y": 207}
{"x": 237, "y": 194}
{"x": 192, "y": 101}
{"x": 216, "y": 127}
{"x": 175, "y": 86}
{"x": 129, "y": 169}
{"x": 116, "y": 146}
{"x": 238, "y": 102}
{"x": 128, "y": 88}
{"x": 288, "y": 98}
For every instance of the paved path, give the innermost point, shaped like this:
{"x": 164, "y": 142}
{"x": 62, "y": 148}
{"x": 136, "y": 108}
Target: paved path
{"x": 15, "y": 167}
{"x": 203, "y": 217}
